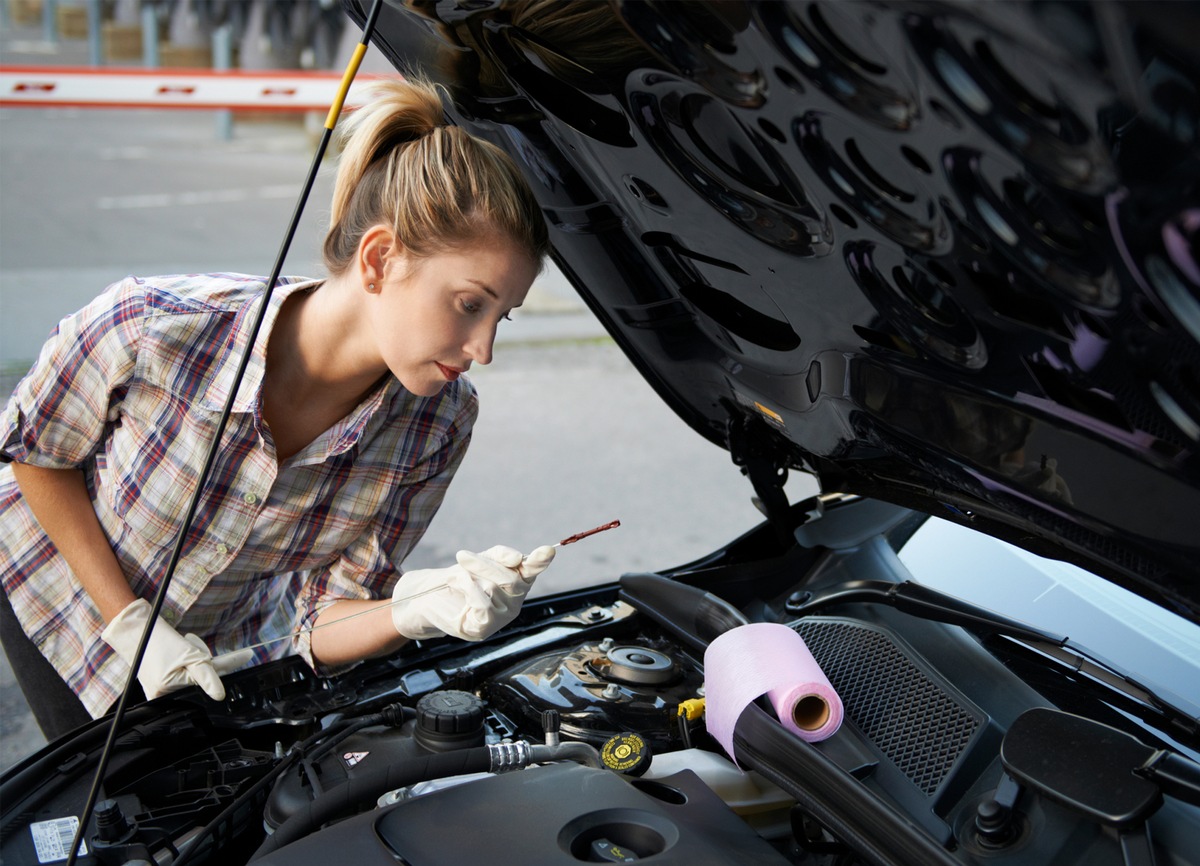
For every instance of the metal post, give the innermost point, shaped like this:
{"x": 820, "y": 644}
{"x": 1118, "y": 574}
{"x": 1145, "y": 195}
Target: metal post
{"x": 222, "y": 49}
{"x": 50, "y": 21}
{"x": 149, "y": 35}
{"x": 95, "y": 49}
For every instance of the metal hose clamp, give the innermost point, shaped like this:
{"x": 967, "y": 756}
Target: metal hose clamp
{"x": 508, "y": 756}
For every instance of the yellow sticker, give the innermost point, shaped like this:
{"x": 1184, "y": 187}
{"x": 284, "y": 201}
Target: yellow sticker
{"x": 773, "y": 415}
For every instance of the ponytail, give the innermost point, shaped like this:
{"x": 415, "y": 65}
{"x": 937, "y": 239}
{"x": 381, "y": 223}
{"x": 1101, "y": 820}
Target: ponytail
{"x": 434, "y": 184}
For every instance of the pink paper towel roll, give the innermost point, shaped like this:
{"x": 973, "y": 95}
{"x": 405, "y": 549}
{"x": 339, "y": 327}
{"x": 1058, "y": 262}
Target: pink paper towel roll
{"x": 771, "y": 659}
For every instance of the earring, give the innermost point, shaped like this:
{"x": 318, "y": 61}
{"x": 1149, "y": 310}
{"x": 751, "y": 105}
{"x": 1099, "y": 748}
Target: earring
{"x": 371, "y": 286}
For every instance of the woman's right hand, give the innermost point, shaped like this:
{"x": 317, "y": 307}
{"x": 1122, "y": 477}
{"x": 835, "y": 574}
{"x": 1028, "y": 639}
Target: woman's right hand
{"x": 172, "y": 661}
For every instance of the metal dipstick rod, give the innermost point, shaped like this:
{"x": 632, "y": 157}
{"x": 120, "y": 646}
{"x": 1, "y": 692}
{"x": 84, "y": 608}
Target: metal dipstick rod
{"x": 570, "y": 539}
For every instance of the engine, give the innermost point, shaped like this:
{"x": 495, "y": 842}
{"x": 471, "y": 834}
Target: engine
{"x": 576, "y": 736}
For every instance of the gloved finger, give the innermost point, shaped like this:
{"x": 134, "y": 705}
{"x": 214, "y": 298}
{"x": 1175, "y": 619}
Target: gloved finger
{"x": 474, "y": 625}
{"x": 507, "y": 556}
{"x": 474, "y": 590}
{"x": 153, "y": 688}
{"x": 229, "y": 662}
{"x": 485, "y": 569}
{"x": 470, "y": 621}
{"x": 478, "y": 624}
{"x": 536, "y": 562}
{"x": 199, "y": 646}
{"x": 484, "y": 600}
{"x": 205, "y": 676}
{"x": 197, "y": 668}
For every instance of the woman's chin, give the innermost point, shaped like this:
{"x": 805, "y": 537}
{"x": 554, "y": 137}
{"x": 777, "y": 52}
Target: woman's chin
{"x": 423, "y": 387}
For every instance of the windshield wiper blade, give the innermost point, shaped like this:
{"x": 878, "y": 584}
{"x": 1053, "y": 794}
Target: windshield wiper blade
{"x": 928, "y": 603}
{"x": 1182, "y": 721}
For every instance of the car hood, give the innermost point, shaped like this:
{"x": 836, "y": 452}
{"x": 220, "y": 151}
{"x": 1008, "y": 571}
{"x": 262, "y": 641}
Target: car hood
{"x": 941, "y": 255}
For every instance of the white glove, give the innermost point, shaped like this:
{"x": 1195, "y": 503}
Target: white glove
{"x": 482, "y": 594}
{"x": 172, "y": 661}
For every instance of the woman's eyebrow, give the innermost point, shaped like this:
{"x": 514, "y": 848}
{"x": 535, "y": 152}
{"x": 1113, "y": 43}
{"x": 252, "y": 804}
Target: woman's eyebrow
{"x": 483, "y": 286}
{"x": 486, "y": 288}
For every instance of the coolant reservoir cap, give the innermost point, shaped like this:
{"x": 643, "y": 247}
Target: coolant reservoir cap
{"x": 626, "y": 753}
{"x": 449, "y": 720}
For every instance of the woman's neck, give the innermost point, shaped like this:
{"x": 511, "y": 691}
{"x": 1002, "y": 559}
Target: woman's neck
{"x": 316, "y": 351}
{"x": 316, "y": 372}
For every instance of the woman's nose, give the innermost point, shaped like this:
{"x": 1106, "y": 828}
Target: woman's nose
{"x": 479, "y": 346}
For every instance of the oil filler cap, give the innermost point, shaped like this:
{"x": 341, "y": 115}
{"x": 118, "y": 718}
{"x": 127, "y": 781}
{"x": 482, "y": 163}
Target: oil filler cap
{"x": 626, "y": 753}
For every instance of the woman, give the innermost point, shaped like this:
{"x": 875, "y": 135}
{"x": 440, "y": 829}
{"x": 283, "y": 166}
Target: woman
{"x": 347, "y": 427}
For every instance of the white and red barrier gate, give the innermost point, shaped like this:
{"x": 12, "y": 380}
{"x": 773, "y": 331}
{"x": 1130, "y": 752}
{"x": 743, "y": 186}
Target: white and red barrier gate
{"x": 100, "y": 87}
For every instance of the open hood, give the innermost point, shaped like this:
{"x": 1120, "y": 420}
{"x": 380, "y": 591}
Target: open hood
{"x": 943, "y": 255}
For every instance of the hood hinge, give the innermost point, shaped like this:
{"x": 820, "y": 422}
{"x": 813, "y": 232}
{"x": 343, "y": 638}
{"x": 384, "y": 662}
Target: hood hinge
{"x": 753, "y": 447}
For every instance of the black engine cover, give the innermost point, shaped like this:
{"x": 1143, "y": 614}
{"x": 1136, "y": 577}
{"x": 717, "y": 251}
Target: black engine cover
{"x": 543, "y": 815}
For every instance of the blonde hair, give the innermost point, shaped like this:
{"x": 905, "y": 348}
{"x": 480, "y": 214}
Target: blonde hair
{"x": 435, "y": 185}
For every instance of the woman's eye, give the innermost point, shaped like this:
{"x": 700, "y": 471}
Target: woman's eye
{"x": 471, "y": 307}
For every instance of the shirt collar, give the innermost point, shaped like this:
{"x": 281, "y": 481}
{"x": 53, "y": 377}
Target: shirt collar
{"x": 350, "y": 430}
{"x": 217, "y": 394}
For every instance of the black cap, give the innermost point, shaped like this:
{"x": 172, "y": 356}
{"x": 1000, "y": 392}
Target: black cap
{"x": 449, "y": 720}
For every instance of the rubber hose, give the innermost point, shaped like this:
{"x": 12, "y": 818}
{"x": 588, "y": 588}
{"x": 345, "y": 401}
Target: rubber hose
{"x": 690, "y": 614}
{"x": 394, "y": 715}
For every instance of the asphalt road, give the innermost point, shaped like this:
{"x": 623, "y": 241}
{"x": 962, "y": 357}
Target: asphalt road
{"x": 569, "y": 435}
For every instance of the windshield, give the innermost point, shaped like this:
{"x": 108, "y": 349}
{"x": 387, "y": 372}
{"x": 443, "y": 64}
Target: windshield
{"x": 1158, "y": 648}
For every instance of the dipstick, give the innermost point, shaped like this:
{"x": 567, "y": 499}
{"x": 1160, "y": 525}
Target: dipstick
{"x": 579, "y": 536}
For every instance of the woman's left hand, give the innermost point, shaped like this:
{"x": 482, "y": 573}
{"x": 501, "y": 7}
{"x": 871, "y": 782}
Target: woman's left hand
{"x": 483, "y": 593}
{"x": 503, "y": 576}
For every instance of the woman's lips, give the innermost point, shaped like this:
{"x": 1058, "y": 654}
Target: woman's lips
{"x": 451, "y": 373}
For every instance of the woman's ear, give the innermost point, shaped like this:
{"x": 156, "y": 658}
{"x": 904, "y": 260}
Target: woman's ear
{"x": 378, "y": 249}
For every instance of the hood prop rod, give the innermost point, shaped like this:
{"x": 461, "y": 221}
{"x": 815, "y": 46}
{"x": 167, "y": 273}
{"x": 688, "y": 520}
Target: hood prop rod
{"x": 335, "y": 111}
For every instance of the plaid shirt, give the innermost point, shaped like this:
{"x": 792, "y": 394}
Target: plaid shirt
{"x": 130, "y": 390}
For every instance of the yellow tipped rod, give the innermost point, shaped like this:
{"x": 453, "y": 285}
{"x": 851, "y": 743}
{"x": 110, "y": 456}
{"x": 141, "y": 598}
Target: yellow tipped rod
{"x": 335, "y": 110}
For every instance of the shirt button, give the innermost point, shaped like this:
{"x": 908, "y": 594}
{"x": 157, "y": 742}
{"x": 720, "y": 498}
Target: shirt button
{"x": 170, "y": 616}
{"x": 222, "y": 548}
{"x": 250, "y": 498}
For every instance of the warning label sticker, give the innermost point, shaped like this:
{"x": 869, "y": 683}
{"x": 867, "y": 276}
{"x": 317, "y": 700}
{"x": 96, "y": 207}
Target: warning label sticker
{"x": 52, "y": 839}
{"x": 352, "y": 758}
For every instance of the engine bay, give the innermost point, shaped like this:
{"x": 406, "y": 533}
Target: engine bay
{"x": 578, "y": 735}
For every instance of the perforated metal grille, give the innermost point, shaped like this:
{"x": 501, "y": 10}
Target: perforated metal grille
{"x": 908, "y": 716}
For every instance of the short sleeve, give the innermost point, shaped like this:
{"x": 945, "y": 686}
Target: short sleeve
{"x": 369, "y": 568}
{"x": 57, "y": 415}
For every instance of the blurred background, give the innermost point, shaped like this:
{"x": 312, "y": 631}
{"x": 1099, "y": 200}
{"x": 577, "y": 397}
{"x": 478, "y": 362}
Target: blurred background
{"x": 260, "y": 34}
{"x": 569, "y": 435}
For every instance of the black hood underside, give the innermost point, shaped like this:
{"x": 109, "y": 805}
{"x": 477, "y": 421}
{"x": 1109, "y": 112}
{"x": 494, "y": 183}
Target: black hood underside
{"x": 941, "y": 254}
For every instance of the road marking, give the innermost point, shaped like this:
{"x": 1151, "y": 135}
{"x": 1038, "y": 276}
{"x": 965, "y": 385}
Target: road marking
{"x": 200, "y": 197}
{"x": 133, "y": 151}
